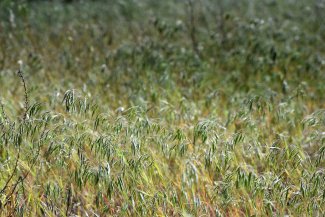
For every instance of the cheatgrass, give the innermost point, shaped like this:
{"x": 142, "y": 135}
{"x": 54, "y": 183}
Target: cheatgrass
{"x": 162, "y": 108}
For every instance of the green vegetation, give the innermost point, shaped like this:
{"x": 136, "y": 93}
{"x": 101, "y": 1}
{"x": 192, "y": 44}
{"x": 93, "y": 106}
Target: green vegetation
{"x": 162, "y": 108}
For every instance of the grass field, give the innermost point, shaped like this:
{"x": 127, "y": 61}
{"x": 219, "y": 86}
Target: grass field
{"x": 162, "y": 108}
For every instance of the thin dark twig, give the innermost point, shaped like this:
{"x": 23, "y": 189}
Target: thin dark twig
{"x": 68, "y": 201}
{"x": 21, "y": 179}
{"x": 13, "y": 172}
{"x": 3, "y": 113}
{"x": 21, "y": 75}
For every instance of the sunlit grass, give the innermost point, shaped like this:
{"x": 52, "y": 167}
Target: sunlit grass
{"x": 125, "y": 115}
